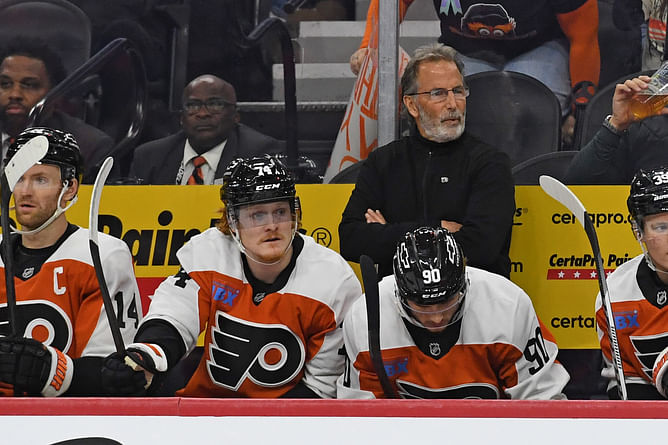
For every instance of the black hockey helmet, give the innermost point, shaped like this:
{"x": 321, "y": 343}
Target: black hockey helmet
{"x": 63, "y": 151}
{"x": 649, "y": 194}
{"x": 429, "y": 267}
{"x": 255, "y": 180}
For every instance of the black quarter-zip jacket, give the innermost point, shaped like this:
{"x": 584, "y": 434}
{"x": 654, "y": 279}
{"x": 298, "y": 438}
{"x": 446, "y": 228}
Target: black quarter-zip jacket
{"x": 415, "y": 182}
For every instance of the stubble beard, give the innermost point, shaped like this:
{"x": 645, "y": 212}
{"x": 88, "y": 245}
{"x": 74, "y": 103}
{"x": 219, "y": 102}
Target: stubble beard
{"x": 436, "y": 131}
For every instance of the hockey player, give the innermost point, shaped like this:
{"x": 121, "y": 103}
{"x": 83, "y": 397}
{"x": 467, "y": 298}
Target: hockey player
{"x": 269, "y": 299}
{"x": 450, "y": 331}
{"x": 639, "y": 293}
{"x": 62, "y": 333}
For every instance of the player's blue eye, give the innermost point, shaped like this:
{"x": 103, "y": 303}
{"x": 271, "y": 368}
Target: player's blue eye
{"x": 259, "y": 218}
{"x": 660, "y": 228}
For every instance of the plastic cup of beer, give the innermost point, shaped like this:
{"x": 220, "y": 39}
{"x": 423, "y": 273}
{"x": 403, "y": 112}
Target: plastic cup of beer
{"x": 650, "y": 101}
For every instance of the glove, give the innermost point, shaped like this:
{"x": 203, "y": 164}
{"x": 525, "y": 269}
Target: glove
{"x": 148, "y": 356}
{"x": 119, "y": 379}
{"x": 659, "y": 374}
{"x": 33, "y": 368}
{"x": 133, "y": 373}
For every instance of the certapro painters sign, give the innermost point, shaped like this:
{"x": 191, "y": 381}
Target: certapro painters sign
{"x": 551, "y": 256}
{"x": 553, "y": 262}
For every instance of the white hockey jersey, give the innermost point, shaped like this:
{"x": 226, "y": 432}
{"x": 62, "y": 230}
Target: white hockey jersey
{"x": 639, "y": 308}
{"x": 61, "y": 304}
{"x": 503, "y": 350}
{"x": 262, "y": 348}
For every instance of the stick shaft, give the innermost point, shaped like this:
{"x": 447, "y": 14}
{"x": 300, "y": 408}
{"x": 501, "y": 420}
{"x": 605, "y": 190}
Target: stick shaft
{"x": 27, "y": 156}
{"x": 607, "y": 309}
{"x": 8, "y": 257}
{"x": 112, "y": 318}
{"x": 370, "y": 279}
{"x": 568, "y": 199}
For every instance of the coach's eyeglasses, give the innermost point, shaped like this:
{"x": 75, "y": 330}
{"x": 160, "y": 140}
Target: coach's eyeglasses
{"x": 460, "y": 92}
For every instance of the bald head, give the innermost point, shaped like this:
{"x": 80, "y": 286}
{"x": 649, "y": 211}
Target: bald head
{"x": 212, "y": 83}
{"x": 209, "y": 112}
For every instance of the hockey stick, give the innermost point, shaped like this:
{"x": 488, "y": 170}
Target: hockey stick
{"x": 370, "y": 279}
{"x": 27, "y": 156}
{"x": 95, "y": 253}
{"x": 567, "y": 198}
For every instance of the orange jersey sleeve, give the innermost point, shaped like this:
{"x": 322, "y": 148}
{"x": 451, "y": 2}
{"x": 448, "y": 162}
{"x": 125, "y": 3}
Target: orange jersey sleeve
{"x": 581, "y": 29}
{"x": 372, "y": 15}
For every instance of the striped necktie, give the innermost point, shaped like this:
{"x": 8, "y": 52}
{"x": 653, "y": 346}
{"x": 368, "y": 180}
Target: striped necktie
{"x": 196, "y": 178}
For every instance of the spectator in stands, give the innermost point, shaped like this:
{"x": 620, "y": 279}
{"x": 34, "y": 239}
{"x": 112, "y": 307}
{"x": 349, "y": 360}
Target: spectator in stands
{"x": 61, "y": 335}
{"x": 654, "y": 43}
{"x": 210, "y": 138}
{"x": 438, "y": 176}
{"x": 268, "y": 300}
{"x": 555, "y": 42}
{"x": 638, "y": 294}
{"x": 441, "y": 323}
{"x": 29, "y": 68}
{"x": 623, "y": 145}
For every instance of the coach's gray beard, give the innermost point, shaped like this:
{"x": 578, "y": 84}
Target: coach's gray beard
{"x": 435, "y": 131}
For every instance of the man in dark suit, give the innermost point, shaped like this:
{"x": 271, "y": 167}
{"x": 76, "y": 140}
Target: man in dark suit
{"x": 29, "y": 68}
{"x": 210, "y": 138}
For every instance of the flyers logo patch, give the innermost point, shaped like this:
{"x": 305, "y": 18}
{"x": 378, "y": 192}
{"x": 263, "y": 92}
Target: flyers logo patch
{"x": 647, "y": 349}
{"x": 42, "y": 320}
{"x": 467, "y": 391}
{"x": 268, "y": 355}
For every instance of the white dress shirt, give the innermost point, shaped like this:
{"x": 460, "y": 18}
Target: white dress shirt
{"x": 208, "y": 169}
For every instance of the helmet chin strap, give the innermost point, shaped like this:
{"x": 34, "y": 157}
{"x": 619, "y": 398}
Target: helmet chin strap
{"x": 242, "y": 248}
{"x": 59, "y": 210}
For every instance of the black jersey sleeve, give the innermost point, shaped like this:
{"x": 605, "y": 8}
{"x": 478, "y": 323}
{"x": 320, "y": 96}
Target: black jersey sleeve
{"x": 165, "y": 335}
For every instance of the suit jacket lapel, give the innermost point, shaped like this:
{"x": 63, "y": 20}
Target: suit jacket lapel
{"x": 173, "y": 159}
{"x": 229, "y": 152}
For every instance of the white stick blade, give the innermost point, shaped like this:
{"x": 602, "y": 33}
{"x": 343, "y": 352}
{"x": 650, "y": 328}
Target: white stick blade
{"x": 96, "y": 197}
{"x": 27, "y": 156}
{"x": 563, "y": 195}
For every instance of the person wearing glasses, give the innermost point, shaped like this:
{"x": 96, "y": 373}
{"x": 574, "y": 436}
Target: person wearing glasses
{"x": 553, "y": 41}
{"x": 210, "y": 138}
{"x": 438, "y": 176}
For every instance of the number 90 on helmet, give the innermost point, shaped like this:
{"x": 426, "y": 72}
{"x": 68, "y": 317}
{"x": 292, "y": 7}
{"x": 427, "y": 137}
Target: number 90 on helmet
{"x": 63, "y": 151}
{"x": 429, "y": 268}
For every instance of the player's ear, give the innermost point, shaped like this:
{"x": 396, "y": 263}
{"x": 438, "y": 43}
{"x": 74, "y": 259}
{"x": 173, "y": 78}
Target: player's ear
{"x": 73, "y": 189}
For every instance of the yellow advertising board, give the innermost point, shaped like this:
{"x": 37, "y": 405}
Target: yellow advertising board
{"x": 552, "y": 259}
{"x": 551, "y": 256}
